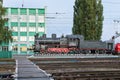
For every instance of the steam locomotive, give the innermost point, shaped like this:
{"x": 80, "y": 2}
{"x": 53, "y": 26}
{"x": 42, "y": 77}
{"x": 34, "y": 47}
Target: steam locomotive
{"x": 73, "y": 44}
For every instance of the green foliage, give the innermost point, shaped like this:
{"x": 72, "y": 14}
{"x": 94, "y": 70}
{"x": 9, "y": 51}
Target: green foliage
{"x": 5, "y": 33}
{"x": 88, "y": 19}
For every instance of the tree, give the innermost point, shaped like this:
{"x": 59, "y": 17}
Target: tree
{"x": 88, "y": 19}
{"x": 5, "y": 33}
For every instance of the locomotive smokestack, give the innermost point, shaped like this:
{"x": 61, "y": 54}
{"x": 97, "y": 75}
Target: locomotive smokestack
{"x": 53, "y": 36}
{"x": 44, "y": 36}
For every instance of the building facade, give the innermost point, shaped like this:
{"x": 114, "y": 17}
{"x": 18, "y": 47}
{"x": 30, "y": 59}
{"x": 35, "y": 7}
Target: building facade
{"x": 25, "y": 23}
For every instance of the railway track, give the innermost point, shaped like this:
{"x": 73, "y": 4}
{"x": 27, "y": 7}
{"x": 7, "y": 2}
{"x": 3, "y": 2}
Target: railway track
{"x": 38, "y": 55}
{"x": 88, "y": 75}
{"x": 80, "y": 68}
{"x": 7, "y": 69}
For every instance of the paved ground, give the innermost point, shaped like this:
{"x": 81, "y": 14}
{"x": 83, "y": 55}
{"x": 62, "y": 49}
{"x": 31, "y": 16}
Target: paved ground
{"x": 26, "y": 70}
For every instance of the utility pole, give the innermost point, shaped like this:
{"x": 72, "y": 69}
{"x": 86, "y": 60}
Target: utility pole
{"x": 116, "y": 22}
{"x": 22, "y": 3}
{"x": 117, "y": 33}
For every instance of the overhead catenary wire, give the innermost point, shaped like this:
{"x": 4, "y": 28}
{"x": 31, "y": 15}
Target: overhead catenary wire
{"x": 106, "y": 2}
{"x": 70, "y": 18}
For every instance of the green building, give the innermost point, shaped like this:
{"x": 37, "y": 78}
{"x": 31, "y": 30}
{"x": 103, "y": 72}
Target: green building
{"x": 25, "y": 23}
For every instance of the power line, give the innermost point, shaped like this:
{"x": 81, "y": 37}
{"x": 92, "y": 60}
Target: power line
{"x": 57, "y": 13}
{"x": 71, "y": 18}
{"x": 58, "y": 23}
{"x": 111, "y": 3}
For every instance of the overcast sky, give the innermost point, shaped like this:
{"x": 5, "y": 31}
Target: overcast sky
{"x": 63, "y": 22}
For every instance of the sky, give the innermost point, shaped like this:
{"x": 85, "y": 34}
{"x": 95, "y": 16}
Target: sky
{"x": 59, "y": 15}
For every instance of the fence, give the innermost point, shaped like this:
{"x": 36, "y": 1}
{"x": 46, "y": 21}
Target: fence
{"x": 5, "y": 54}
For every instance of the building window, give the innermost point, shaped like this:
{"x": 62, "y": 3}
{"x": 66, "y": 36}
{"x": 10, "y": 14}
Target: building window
{"x": 41, "y": 19}
{"x": 4, "y": 48}
{"x": 6, "y": 24}
{"x": 23, "y": 33}
{"x": 32, "y": 18}
{"x": 32, "y": 33}
{"x": 6, "y": 11}
{"x": 40, "y": 29}
{"x": 15, "y": 48}
{"x": 14, "y": 24}
{"x": 15, "y": 38}
{"x": 32, "y": 29}
{"x": 23, "y": 18}
{"x": 23, "y": 29}
{"x": 31, "y": 38}
{"x": 32, "y": 11}
{"x": 15, "y": 29}
{"x": 15, "y": 34}
{"x": 41, "y": 24}
{"x": 41, "y": 11}
{"x": 23, "y": 11}
{"x": 41, "y": 33}
{"x": 32, "y": 24}
{"x": 23, "y": 24}
{"x": 14, "y": 11}
{"x": 23, "y": 38}
{"x": 14, "y": 18}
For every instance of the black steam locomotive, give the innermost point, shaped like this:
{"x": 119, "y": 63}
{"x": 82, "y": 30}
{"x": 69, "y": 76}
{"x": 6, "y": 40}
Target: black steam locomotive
{"x": 71, "y": 43}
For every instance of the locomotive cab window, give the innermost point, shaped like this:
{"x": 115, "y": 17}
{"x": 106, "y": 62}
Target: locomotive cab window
{"x": 110, "y": 46}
